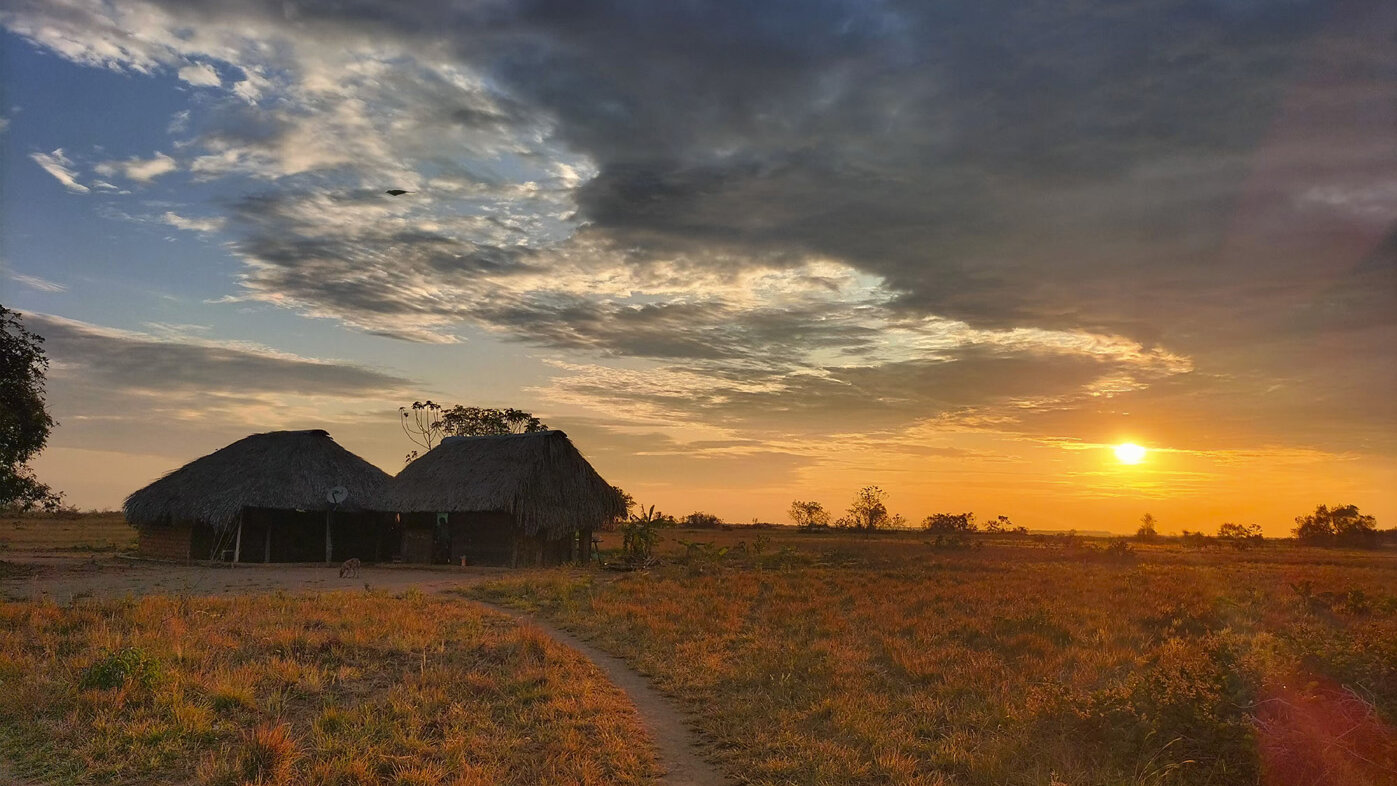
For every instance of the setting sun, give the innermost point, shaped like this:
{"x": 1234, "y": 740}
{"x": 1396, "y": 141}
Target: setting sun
{"x": 1130, "y": 453}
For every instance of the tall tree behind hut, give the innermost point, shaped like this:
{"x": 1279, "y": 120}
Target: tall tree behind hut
{"x": 426, "y": 423}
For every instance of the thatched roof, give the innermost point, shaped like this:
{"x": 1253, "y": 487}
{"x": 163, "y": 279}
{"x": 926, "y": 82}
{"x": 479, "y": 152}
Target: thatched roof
{"x": 282, "y": 470}
{"x": 539, "y": 477}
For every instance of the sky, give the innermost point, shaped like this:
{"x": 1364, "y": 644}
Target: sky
{"x": 742, "y": 253}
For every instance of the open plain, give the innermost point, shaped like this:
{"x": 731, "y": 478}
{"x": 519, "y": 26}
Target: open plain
{"x": 823, "y": 658}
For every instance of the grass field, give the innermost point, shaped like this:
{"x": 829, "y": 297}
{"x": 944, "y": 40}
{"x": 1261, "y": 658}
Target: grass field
{"x": 837, "y": 659}
{"x": 349, "y": 688}
{"x": 96, "y": 532}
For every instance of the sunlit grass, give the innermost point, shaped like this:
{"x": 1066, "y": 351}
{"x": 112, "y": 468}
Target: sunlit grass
{"x": 330, "y": 689}
{"x": 833, "y": 660}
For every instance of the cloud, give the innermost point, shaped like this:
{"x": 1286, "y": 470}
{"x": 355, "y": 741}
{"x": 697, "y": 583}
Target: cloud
{"x": 58, "y": 165}
{"x": 926, "y": 212}
{"x": 143, "y": 170}
{"x": 127, "y": 360}
{"x": 34, "y": 282}
{"x": 193, "y": 224}
{"x": 200, "y": 75}
{"x": 167, "y": 389}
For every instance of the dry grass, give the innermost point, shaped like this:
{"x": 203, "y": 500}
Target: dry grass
{"x": 107, "y": 532}
{"x": 330, "y": 689}
{"x": 839, "y": 660}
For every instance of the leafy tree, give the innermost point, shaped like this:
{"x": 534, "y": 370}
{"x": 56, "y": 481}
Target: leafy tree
{"x": 1339, "y": 524}
{"x": 1241, "y": 536}
{"x": 950, "y": 522}
{"x": 1147, "y": 529}
{"x": 868, "y": 511}
{"x": 427, "y": 422}
{"x": 809, "y": 515}
{"x": 24, "y": 420}
{"x": 462, "y": 421}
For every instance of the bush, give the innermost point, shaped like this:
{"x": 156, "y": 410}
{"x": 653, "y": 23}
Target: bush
{"x": 701, "y": 520}
{"x": 1241, "y": 536}
{"x": 116, "y": 668}
{"x": 948, "y": 522}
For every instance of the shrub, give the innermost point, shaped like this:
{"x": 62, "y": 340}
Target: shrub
{"x": 1241, "y": 536}
{"x": 116, "y": 668}
{"x": 700, "y": 520}
{"x": 809, "y": 515}
{"x": 948, "y": 522}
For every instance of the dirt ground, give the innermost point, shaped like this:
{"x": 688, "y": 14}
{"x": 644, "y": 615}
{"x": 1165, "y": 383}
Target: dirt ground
{"x": 63, "y": 576}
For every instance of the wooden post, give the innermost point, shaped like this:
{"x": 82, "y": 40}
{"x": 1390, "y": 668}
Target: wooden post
{"x": 584, "y": 546}
{"x": 238, "y": 544}
{"x": 267, "y": 545}
{"x": 328, "y": 546}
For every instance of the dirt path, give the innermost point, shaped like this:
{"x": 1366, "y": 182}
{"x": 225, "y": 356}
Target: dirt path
{"x": 679, "y": 754}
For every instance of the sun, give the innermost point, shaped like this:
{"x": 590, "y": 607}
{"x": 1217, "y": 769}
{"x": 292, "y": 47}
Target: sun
{"x": 1130, "y": 453}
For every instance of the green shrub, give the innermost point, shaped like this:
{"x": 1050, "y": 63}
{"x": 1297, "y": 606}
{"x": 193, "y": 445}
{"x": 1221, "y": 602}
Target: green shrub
{"x": 116, "y": 668}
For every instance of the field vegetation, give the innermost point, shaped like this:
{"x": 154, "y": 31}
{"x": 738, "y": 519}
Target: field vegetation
{"x": 104, "y": 531}
{"x": 912, "y": 658}
{"x": 346, "y": 688}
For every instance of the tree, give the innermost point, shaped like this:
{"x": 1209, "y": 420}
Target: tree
{"x": 462, "y": 421}
{"x": 868, "y": 511}
{"x": 24, "y": 420}
{"x": 1339, "y": 524}
{"x": 427, "y": 422}
{"x": 422, "y": 424}
{"x": 999, "y": 524}
{"x": 951, "y": 523}
{"x": 809, "y": 515}
{"x": 1147, "y": 529}
{"x": 1241, "y": 536}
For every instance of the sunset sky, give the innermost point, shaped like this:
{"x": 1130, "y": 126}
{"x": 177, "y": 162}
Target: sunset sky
{"x": 741, "y": 252}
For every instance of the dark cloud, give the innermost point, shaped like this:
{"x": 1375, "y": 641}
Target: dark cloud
{"x": 112, "y": 361}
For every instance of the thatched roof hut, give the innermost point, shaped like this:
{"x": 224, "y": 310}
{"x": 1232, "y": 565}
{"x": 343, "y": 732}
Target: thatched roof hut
{"x": 540, "y": 479}
{"x": 280, "y": 470}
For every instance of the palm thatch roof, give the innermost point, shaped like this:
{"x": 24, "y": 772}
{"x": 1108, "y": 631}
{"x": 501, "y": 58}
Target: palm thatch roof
{"x": 281, "y": 470}
{"x": 540, "y": 478}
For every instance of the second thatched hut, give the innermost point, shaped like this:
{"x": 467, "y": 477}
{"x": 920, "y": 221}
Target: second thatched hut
{"x": 514, "y": 499}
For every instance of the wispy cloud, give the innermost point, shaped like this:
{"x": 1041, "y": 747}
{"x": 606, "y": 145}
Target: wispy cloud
{"x": 59, "y": 165}
{"x": 34, "y": 282}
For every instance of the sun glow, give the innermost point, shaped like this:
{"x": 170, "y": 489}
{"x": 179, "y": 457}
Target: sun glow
{"x": 1130, "y": 453}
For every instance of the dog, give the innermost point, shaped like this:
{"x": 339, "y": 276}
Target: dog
{"x": 350, "y": 567}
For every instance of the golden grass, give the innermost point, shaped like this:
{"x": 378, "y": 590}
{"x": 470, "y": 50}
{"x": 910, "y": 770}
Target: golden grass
{"x": 327, "y": 689}
{"x": 844, "y": 660}
{"x": 79, "y": 532}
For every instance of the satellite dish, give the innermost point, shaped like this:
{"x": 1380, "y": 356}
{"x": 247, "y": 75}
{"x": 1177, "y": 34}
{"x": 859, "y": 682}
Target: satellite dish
{"x": 337, "y": 495}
